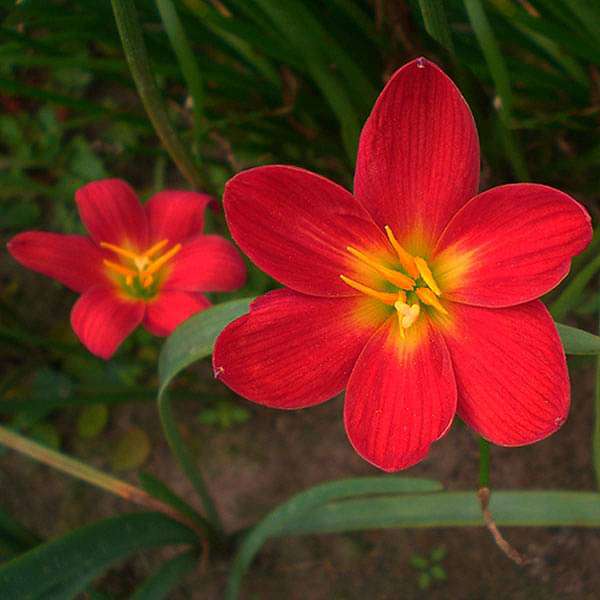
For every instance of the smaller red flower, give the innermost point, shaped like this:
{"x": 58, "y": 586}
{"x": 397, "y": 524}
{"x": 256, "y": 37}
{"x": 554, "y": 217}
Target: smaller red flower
{"x": 141, "y": 264}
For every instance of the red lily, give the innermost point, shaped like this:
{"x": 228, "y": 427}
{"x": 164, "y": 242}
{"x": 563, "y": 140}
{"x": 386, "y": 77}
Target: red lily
{"x": 144, "y": 264}
{"x": 417, "y": 295}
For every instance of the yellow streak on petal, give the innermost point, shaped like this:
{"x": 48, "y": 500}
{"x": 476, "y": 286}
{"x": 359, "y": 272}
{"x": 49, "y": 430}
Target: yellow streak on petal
{"x": 406, "y": 259}
{"x": 427, "y": 275}
{"x": 398, "y": 279}
{"x": 428, "y": 297}
{"x": 385, "y": 297}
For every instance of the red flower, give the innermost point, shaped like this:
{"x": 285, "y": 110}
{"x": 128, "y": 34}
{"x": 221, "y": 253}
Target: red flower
{"x": 417, "y": 295}
{"x": 144, "y": 264}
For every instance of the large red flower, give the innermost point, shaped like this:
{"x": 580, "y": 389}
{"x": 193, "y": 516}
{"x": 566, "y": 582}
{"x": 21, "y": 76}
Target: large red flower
{"x": 416, "y": 295}
{"x": 145, "y": 264}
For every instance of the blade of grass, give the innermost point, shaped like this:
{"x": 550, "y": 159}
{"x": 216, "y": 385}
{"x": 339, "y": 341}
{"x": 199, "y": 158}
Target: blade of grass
{"x": 499, "y": 73}
{"x": 187, "y": 62}
{"x": 135, "y": 51}
{"x": 596, "y": 433}
{"x": 436, "y": 23}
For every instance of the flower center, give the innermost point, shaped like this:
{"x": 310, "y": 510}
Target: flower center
{"x": 138, "y": 273}
{"x": 414, "y": 283}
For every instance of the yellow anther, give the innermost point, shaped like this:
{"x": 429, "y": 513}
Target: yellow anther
{"x": 385, "y": 297}
{"x": 120, "y": 251}
{"x": 159, "y": 262}
{"x": 398, "y": 279}
{"x": 427, "y": 275}
{"x": 119, "y": 268}
{"x": 428, "y": 297}
{"x": 406, "y": 259}
{"x": 147, "y": 281}
{"x": 154, "y": 249}
{"x": 407, "y": 315}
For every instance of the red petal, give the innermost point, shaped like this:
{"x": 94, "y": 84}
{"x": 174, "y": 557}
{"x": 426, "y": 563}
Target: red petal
{"x": 74, "y": 260}
{"x": 176, "y": 215}
{"x": 102, "y": 320}
{"x": 209, "y": 263}
{"x": 401, "y": 396}
{"x": 418, "y": 156}
{"x": 292, "y": 350}
{"x": 296, "y": 225}
{"x": 112, "y": 213}
{"x": 510, "y": 244}
{"x": 511, "y": 374}
{"x": 170, "y": 308}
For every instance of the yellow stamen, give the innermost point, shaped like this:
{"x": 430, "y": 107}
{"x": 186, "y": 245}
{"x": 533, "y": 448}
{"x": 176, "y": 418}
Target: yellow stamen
{"x": 120, "y": 251}
{"x": 427, "y": 275}
{"x": 383, "y": 296}
{"x": 406, "y": 259}
{"x": 154, "y": 249}
{"x": 119, "y": 268}
{"x": 402, "y": 281}
{"x": 428, "y": 297}
{"x": 159, "y": 262}
{"x": 147, "y": 281}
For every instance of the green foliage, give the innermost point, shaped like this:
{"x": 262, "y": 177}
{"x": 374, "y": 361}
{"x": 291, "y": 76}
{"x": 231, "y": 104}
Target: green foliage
{"x": 429, "y": 568}
{"x": 69, "y": 563}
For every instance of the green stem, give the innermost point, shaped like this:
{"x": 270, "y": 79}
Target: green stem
{"x": 84, "y": 472}
{"x": 135, "y": 51}
{"x": 484, "y": 463}
{"x": 187, "y": 462}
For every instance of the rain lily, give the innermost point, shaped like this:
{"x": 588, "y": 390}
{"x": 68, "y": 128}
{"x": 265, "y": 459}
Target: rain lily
{"x": 415, "y": 294}
{"x": 141, "y": 264}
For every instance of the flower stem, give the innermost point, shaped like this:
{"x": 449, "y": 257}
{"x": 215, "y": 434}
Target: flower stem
{"x": 187, "y": 462}
{"x": 79, "y": 470}
{"x": 484, "y": 463}
{"x": 128, "y": 24}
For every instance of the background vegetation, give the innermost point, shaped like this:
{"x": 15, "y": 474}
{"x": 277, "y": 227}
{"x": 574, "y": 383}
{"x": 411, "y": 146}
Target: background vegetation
{"x": 245, "y": 83}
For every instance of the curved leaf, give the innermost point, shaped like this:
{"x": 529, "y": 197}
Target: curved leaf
{"x": 451, "y": 509}
{"x": 576, "y": 341}
{"x": 194, "y": 339}
{"x": 87, "y": 552}
{"x": 303, "y": 505}
{"x": 167, "y": 578}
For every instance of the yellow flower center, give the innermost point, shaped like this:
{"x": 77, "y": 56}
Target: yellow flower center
{"x": 138, "y": 273}
{"x": 413, "y": 280}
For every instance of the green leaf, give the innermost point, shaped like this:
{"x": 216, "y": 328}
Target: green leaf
{"x": 87, "y": 552}
{"x": 167, "y": 578}
{"x": 576, "y": 341}
{"x": 185, "y": 57}
{"x": 438, "y": 554}
{"x": 436, "y": 22}
{"x": 424, "y": 581}
{"x": 195, "y": 338}
{"x": 303, "y": 505}
{"x": 499, "y": 72}
{"x": 92, "y": 420}
{"x": 438, "y": 573}
{"x": 419, "y": 562}
{"x": 131, "y": 450}
{"x": 451, "y": 509}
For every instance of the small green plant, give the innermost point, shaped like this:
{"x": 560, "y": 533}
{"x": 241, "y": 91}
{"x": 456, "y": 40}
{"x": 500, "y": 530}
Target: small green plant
{"x": 224, "y": 414}
{"x": 430, "y": 569}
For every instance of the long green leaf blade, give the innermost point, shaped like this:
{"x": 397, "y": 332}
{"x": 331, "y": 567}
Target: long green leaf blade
{"x": 89, "y": 550}
{"x": 302, "y": 505}
{"x": 451, "y": 509}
